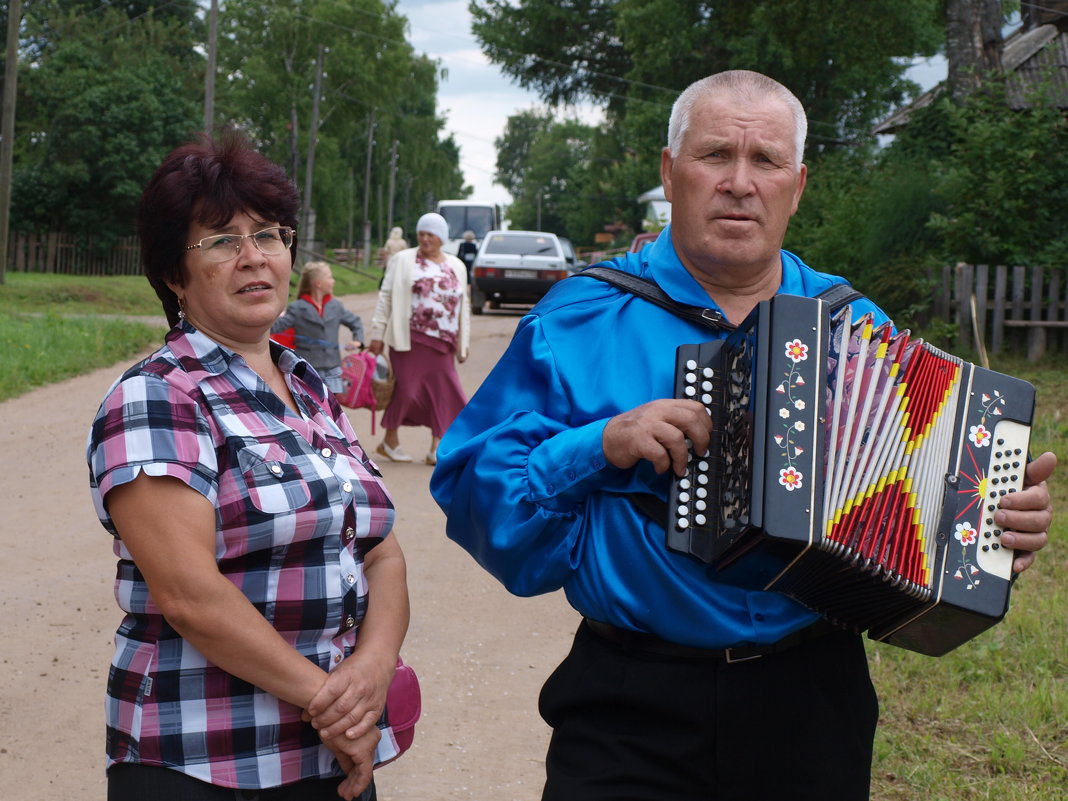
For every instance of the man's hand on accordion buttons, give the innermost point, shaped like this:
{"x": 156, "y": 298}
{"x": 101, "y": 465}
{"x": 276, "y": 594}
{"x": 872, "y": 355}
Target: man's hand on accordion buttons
{"x": 659, "y": 431}
{"x": 1025, "y": 516}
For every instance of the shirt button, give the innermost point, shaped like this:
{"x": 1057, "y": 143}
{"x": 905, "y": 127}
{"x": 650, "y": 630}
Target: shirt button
{"x": 276, "y": 469}
{"x": 327, "y": 453}
{"x": 351, "y": 579}
{"x": 350, "y": 621}
{"x": 337, "y": 658}
{"x": 347, "y": 487}
{"x": 350, "y": 532}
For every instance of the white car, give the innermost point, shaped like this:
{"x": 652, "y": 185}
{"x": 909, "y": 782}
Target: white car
{"x": 516, "y": 267}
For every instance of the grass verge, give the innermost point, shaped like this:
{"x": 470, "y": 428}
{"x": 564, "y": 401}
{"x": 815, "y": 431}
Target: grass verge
{"x": 990, "y": 719}
{"x": 54, "y": 327}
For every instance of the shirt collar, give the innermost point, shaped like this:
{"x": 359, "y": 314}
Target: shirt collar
{"x": 661, "y": 263}
{"x": 199, "y": 353}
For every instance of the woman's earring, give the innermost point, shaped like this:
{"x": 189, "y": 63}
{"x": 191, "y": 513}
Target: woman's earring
{"x": 181, "y": 309}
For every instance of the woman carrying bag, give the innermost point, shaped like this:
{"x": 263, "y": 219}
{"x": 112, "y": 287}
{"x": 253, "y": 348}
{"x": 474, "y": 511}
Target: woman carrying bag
{"x": 423, "y": 315}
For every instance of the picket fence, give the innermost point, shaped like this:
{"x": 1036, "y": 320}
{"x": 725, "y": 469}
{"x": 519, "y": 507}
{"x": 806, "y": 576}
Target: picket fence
{"x": 1000, "y": 309}
{"x": 68, "y": 254}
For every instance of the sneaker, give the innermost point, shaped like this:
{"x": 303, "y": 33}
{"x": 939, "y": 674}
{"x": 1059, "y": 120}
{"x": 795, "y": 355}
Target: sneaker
{"x": 393, "y": 454}
{"x": 432, "y": 457}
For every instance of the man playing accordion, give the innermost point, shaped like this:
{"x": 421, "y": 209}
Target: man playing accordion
{"x": 678, "y": 686}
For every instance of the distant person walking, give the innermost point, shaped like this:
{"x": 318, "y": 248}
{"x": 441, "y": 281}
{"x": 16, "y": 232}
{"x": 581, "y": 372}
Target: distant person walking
{"x": 394, "y": 245}
{"x": 466, "y": 252}
{"x": 424, "y": 316}
{"x": 316, "y": 316}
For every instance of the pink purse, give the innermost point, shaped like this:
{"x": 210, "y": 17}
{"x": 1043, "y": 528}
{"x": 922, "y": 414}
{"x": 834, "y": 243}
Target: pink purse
{"x": 404, "y": 705}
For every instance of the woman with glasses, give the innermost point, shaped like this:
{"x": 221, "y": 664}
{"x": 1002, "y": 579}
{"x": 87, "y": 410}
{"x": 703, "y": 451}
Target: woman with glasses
{"x": 315, "y": 317}
{"x": 265, "y": 599}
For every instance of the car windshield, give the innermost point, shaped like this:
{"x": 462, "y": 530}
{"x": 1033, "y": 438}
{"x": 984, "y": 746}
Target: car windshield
{"x": 521, "y": 245}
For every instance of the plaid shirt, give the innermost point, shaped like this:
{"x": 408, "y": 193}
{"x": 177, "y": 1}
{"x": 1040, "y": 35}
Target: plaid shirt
{"x": 298, "y": 503}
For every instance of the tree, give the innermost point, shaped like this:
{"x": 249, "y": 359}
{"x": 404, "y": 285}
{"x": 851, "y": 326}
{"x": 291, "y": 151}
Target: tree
{"x": 521, "y": 131}
{"x": 1005, "y": 184}
{"x": 846, "y": 61}
{"x": 973, "y": 44}
{"x": 97, "y": 113}
{"x": 553, "y": 172}
{"x": 267, "y": 88}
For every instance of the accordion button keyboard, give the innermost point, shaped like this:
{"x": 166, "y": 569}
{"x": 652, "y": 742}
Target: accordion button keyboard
{"x": 1005, "y": 478}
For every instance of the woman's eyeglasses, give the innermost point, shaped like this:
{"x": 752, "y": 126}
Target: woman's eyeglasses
{"x": 223, "y": 247}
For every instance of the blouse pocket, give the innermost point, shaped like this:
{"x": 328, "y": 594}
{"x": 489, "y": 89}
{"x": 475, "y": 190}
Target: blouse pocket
{"x": 274, "y": 484}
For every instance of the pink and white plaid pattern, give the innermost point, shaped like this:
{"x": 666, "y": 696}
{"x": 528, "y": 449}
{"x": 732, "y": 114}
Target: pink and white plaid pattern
{"x": 299, "y": 502}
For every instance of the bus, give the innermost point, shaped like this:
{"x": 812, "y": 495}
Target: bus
{"x": 467, "y": 215}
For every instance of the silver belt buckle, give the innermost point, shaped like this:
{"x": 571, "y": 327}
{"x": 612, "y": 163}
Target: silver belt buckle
{"x": 731, "y": 659}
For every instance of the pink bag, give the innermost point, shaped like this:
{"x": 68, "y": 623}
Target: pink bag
{"x": 404, "y": 705}
{"x": 357, "y": 391}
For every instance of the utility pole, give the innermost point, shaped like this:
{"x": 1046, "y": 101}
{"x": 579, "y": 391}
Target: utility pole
{"x": 313, "y": 136}
{"x": 7, "y": 126}
{"x": 392, "y": 184}
{"x": 367, "y": 192}
{"x": 209, "y": 76}
{"x": 352, "y": 211}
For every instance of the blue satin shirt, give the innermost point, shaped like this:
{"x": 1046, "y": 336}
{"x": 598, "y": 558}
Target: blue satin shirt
{"x": 522, "y": 476}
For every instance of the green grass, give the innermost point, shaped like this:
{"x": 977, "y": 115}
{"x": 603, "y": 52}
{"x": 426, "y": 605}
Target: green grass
{"x": 350, "y": 282}
{"x": 990, "y": 719}
{"x": 54, "y": 327}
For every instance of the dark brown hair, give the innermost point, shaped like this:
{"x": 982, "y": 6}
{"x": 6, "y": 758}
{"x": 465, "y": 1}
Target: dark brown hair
{"x": 207, "y": 181}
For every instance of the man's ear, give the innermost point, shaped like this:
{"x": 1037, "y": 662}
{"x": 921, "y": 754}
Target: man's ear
{"x": 666, "y": 163}
{"x": 802, "y": 179}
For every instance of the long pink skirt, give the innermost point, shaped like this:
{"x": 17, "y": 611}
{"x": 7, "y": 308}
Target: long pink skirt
{"x": 428, "y": 391}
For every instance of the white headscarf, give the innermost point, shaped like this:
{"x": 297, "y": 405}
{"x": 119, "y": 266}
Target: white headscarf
{"x": 434, "y": 224}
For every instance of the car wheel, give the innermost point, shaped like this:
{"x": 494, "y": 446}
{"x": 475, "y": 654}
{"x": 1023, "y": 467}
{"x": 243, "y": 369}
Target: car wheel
{"x": 478, "y": 300}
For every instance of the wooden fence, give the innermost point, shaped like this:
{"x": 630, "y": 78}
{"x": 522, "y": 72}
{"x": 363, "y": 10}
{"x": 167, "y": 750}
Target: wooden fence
{"x": 1000, "y": 308}
{"x": 993, "y": 308}
{"x": 69, "y": 254}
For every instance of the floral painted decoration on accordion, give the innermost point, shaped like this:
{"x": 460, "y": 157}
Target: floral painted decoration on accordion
{"x": 789, "y": 476}
{"x": 965, "y": 533}
{"x": 979, "y": 434}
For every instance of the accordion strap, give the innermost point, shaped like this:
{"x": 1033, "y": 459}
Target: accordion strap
{"x": 651, "y": 291}
{"x": 835, "y": 296}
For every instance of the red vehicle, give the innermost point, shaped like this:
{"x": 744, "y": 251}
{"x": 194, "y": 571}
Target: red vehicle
{"x": 642, "y": 239}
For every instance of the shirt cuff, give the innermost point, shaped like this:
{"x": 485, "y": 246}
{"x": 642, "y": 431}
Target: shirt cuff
{"x": 565, "y": 468}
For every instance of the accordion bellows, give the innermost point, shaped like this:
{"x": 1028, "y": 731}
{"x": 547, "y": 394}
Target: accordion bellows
{"x": 865, "y": 466}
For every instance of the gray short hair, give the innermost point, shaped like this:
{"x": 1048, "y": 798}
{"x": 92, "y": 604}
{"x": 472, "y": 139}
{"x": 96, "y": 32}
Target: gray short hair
{"x": 741, "y": 83}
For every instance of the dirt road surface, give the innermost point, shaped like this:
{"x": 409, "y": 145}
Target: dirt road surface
{"x": 481, "y": 654}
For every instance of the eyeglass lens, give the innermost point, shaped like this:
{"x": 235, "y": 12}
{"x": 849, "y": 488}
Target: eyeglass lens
{"x": 269, "y": 241}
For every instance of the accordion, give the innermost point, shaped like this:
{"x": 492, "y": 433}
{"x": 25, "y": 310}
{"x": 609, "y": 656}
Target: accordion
{"x": 864, "y": 465}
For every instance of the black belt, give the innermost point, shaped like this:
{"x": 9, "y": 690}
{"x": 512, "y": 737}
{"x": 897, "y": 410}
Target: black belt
{"x": 650, "y": 643}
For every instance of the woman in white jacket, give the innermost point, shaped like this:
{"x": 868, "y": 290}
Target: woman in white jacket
{"x": 424, "y": 316}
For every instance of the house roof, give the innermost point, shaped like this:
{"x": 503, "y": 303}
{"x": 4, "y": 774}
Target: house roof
{"x": 1030, "y": 58}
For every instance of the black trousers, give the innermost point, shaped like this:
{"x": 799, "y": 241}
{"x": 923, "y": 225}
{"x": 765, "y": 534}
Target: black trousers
{"x": 134, "y": 782}
{"x": 633, "y": 726}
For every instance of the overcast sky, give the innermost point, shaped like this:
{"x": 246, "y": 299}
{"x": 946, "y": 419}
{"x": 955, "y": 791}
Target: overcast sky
{"x": 476, "y": 99}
